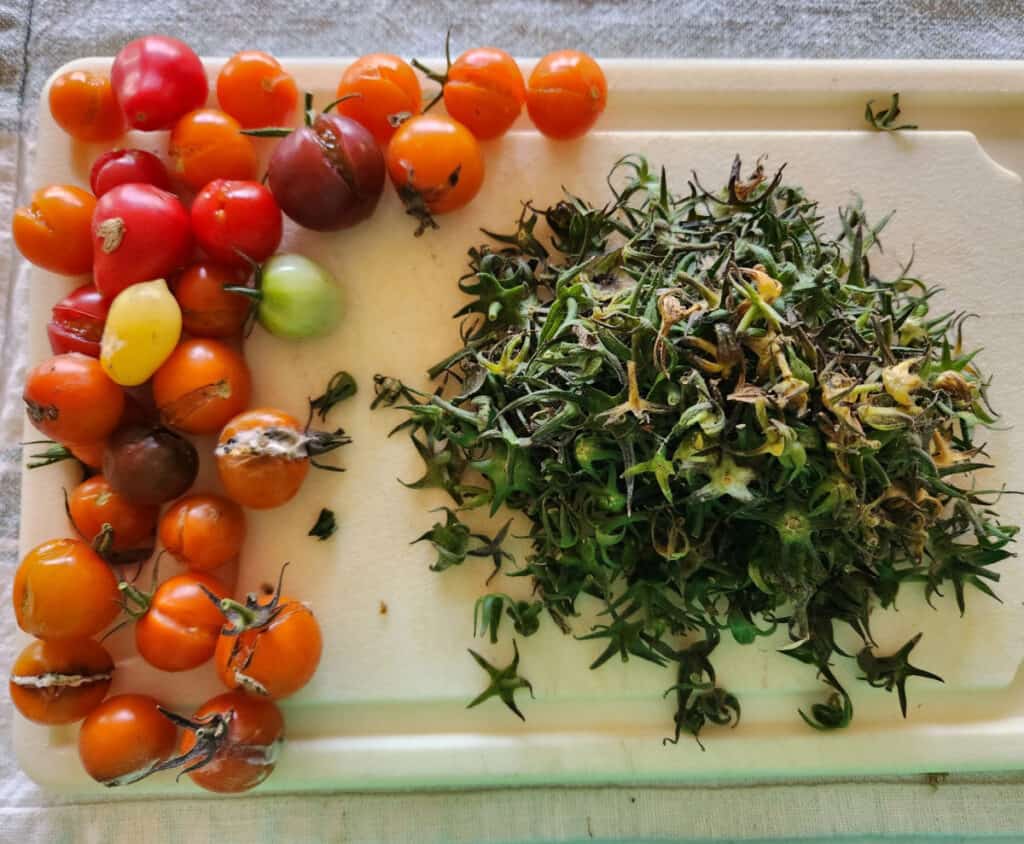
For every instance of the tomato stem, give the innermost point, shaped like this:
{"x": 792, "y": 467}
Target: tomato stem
{"x": 135, "y": 595}
{"x": 440, "y": 78}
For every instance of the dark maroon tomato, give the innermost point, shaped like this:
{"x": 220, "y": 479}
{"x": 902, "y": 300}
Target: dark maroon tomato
{"x": 149, "y": 464}
{"x": 157, "y": 80}
{"x": 329, "y": 175}
{"x": 77, "y": 320}
{"x": 120, "y": 166}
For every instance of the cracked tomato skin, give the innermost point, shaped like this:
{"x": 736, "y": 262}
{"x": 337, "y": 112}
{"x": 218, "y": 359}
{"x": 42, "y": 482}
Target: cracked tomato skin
{"x": 260, "y": 481}
{"x": 566, "y": 94}
{"x": 157, "y": 79}
{"x": 64, "y": 590}
{"x": 327, "y": 176}
{"x": 125, "y": 735}
{"x": 276, "y": 660}
{"x": 203, "y": 531}
{"x": 485, "y": 91}
{"x": 255, "y": 90}
{"x": 181, "y": 627}
{"x": 70, "y": 399}
{"x": 248, "y": 754}
{"x": 140, "y": 233}
{"x": 208, "y": 144}
{"x": 54, "y": 231}
{"x": 83, "y": 104}
{"x": 76, "y": 321}
{"x": 379, "y": 86}
{"x": 84, "y": 663}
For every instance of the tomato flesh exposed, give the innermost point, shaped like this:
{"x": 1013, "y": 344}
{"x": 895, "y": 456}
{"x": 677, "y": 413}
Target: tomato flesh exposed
{"x": 256, "y": 479}
{"x": 76, "y": 322}
{"x": 55, "y": 231}
{"x": 124, "y": 739}
{"x": 60, "y": 682}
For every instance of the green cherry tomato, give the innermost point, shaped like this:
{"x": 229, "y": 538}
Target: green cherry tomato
{"x": 297, "y": 298}
{"x": 142, "y": 329}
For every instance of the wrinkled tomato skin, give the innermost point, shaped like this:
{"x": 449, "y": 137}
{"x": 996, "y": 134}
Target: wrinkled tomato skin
{"x": 84, "y": 662}
{"x": 76, "y": 322}
{"x": 263, "y": 481}
{"x": 157, "y": 79}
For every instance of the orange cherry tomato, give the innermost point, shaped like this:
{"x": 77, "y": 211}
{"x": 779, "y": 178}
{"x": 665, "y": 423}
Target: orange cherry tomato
{"x": 70, "y": 399}
{"x": 244, "y": 752}
{"x": 566, "y": 94}
{"x": 64, "y": 590}
{"x": 55, "y": 231}
{"x": 255, "y": 90}
{"x": 83, "y": 105}
{"x": 201, "y": 386}
{"x": 60, "y": 682}
{"x": 91, "y": 454}
{"x": 203, "y": 531}
{"x": 386, "y": 88}
{"x": 207, "y": 310}
{"x": 484, "y": 91}
{"x": 435, "y": 162}
{"x": 124, "y": 739}
{"x": 180, "y": 626}
{"x": 207, "y": 144}
{"x": 271, "y": 647}
{"x": 97, "y": 510}
{"x": 263, "y": 456}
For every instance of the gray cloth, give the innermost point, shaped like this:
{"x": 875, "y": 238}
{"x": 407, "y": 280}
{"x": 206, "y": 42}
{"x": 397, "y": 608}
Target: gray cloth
{"x": 37, "y": 36}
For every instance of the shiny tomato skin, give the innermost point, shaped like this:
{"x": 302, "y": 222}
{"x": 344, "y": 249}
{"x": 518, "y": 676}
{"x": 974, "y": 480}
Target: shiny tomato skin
{"x": 158, "y": 79}
{"x": 63, "y": 590}
{"x": 261, "y": 481}
{"x": 207, "y": 144}
{"x": 79, "y": 672}
{"x": 438, "y": 159}
{"x": 121, "y": 166}
{"x": 485, "y": 91}
{"x": 203, "y": 531}
{"x": 55, "y": 230}
{"x": 249, "y": 751}
{"x": 124, "y": 737}
{"x": 566, "y": 94}
{"x": 384, "y": 86}
{"x": 231, "y": 217}
{"x": 255, "y": 90}
{"x": 207, "y": 310}
{"x": 181, "y": 627}
{"x": 70, "y": 399}
{"x": 83, "y": 104}
{"x": 94, "y": 503}
{"x": 201, "y": 386}
{"x": 140, "y": 233}
{"x": 76, "y": 322}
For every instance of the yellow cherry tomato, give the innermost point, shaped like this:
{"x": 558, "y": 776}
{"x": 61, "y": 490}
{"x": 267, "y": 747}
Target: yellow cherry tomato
{"x": 142, "y": 329}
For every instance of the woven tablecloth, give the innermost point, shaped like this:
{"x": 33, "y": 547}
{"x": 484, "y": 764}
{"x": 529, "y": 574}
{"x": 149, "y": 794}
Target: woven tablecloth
{"x": 37, "y": 37}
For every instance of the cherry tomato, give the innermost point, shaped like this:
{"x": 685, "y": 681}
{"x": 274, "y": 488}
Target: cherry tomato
{"x": 70, "y": 399}
{"x": 255, "y": 90}
{"x": 148, "y": 464}
{"x": 207, "y": 309}
{"x": 60, "y": 682}
{"x": 201, "y": 386}
{"x": 98, "y": 510}
{"x": 55, "y": 231}
{"x": 180, "y": 624}
{"x": 263, "y": 456}
{"x": 386, "y": 88}
{"x": 207, "y": 144}
{"x": 271, "y": 646}
{"x": 76, "y": 322}
{"x": 484, "y": 91}
{"x": 436, "y": 164}
{"x": 63, "y": 590}
{"x": 142, "y": 330}
{"x": 124, "y": 739}
{"x": 157, "y": 79}
{"x": 328, "y": 175}
{"x": 203, "y": 531}
{"x": 297, "y": 298}
{"x": 83, "y": 105}
{"x": 229, "y": 217}
{"x": 121, "y": 166}
{"x": 140, "y": 233}
{"x": 91, "y": 454}
{"x": 566, "y": 94}
{"x": 240, "y": 736}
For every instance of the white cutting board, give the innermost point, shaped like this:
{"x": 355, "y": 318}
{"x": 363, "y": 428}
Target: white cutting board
{"x": 386, "y": 708}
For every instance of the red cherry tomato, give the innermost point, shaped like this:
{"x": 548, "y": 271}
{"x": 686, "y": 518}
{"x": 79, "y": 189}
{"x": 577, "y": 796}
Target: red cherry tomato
{"x": 158, "y": 79}
{"x": 387, "y": 88}
{"x": 76, "y": 322}
{"x": 484, "y": 91}
{"x": 207, "y": 309}
{"x": 229, "y": 217}
{"x": 120, "y": 166}
{"x": 60, "y": 682}
{"x": 70, "y": 399}
{"x": 124, "y": 739}
{"x": 566, "y": 94}
{"x": 208, "y": 144}
{"x": 83, "y": 105}
{"x": 254, "y": 89}
{"x": 54, "y": 231}
{"x": 140, "y": 233}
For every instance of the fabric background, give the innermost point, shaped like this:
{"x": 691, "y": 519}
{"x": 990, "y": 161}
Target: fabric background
{"x": 38, "y": 36}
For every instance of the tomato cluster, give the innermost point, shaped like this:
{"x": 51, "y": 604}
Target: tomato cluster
{"x": 149, "y": 353}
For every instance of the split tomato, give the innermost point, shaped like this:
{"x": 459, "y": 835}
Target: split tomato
{"x": 381, "y": 91}
{"x": 203, "y": 531}
{"x": 76, "y": 322}
{"x": 83, "y": 105}
{"x": 566, "y": 94}
{"x": 207, "y": 144}
{"x": 484, "y": 91}
{"x": 255, "y": 90}
{"x": 236, "y": 222}
{"x": 157, "y": 79}
{"x": 70, "y": 399}
{"x": 55, "y": 231}
{"x": 124, "y": 739}
{"x": 60, "y": 682}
